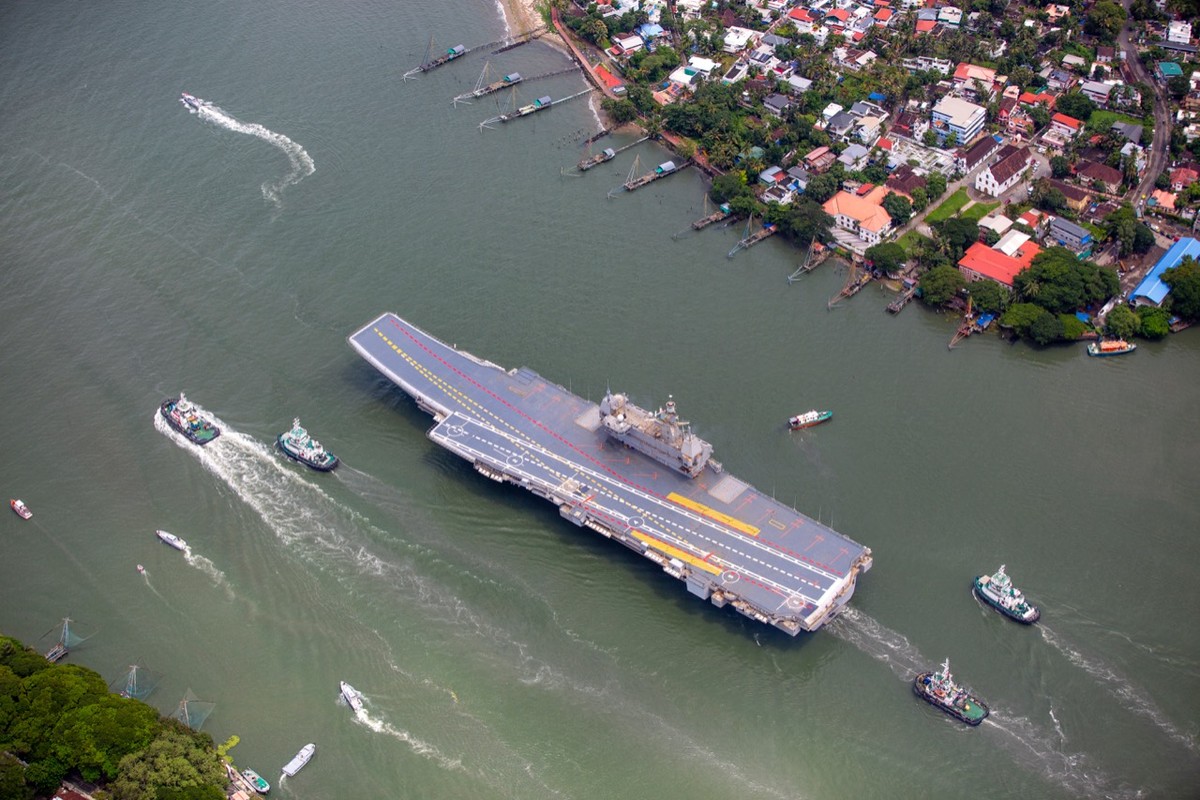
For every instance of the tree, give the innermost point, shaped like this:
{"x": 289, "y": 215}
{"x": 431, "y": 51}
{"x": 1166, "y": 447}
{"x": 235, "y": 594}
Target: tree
{"x": 1040, "y": 115}
{"x": 728, "y": 186}
{"x": 920, "y": 199}
{"x": 1060, "y": 283}
{"x": 177, "y": 758}
{"x": 940, "y": 284}
{"x": 1075, "y": 104}
{"x": 888, "y": 257}
{"x": 1121, "y": 322}
{"x": 935, "y": 185}
{"x": 1033, "y": 322}
{"x": 620, "y": 111}
{"x": 929, "y": 138}
{"x": 898, "y": 207}
{"x": 958, "y": 234}
{"x": 821, "y": 188}
{"x": 1184, "y": 281}
{"x": 1153, "y": 323}
{"x": 1143, "y": 238}
{"x": 1178, "y": 86}
{"x": 988, "y": 296}
{"x": 1060, "y": 167}
{"x": 1105, "y": 20}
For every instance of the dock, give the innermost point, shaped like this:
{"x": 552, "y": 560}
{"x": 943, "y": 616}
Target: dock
{"x": 724, "y": 212}
{"x": 854, "y": 284}
{"x": 751, "y": 239}
{"x": 483, "y": 89}
{"x": 608, "y": 154}
{"x": 813, "y": 257}
{"x": 541, "y": 104}
{"x": 456, "y": 52}
{"x": 902, "y": 299}
{"x": 661, "y": 171}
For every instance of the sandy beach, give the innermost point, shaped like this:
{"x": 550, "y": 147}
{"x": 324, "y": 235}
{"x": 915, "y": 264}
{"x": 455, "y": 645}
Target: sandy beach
{"x": 520, "y": 15}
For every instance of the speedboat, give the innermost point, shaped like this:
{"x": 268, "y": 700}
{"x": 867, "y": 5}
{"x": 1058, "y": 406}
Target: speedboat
{"x": 257, "y": 781}
{"x": 20, "y": 508}
{"x": 193, "y": 103}
{"x": 353, "y": 697}
{"x": 171, "y": 539}
{"x": 141, "y": 570}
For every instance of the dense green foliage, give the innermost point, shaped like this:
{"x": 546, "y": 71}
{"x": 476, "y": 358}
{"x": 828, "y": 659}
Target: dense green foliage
{"x": 1105, "y": 20}
{"x": 1131, "y": 234}
{"x": 1033, "y": 322}
{"x": 1060, "y": 283}
{"x": 888, "y": 256}
{"x": 60, "y": 718}
{"x": 898, "y": 207}
{"x": 941, "y": 283}
{"x": 1075, "y": 104}
{"x": 988, "y": 296}
{"x": 1121, "y": 322}
{"x": 1184, "y": 281}
{"x": 1153, "y": 323}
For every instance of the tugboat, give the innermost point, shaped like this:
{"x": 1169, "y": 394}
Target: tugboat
{"x": 939, "y": 690}
{"x": 181, "y": 415}
{"x": 808, "y": 419}
{"x": 297, "y": 444}
{"x": 353, "y": 697}
{"x": 1111, "y": 347}
{"x": 20, "y": 508}
{"x": 257, "y": 781}
{"x": 172, "y": 539}
{"x": 999, "y": 593}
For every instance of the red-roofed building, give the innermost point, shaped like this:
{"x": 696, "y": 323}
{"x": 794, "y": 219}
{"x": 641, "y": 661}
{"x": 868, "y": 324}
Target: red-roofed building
{"x": 926, "y": 25}
{"x": 981, "y": 262}
{"x": 885, "y": 144}
{"x": 1031, "y": 99}
{"x": 883, "y": 17}
{"x": 1068, "y": 127}
{"x": 612, "y": 82}
{"x": 1182, "y": 178}
{"x": 838, "y": 14}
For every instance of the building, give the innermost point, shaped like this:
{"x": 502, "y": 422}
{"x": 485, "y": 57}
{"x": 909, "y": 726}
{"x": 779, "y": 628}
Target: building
{"x": 1013, "y": 253}
{"x": 967, "y": 159}
{"x": 928, "y": 64}
{"x": 1062, "y": 129}
{"x": 904, "y": 180}
{"x": 1097, "y": 92}
{"x": 1167, "y": 70}
{"x": 628, "y": 43}
{"x": 1067, "y": 234}
{"x": 1131, "y": 132}
{"x": 777, "y": 104}
{"x": 820, "y": 160}
{"x": 910, "y": 125}
{"x": 1183, "y": 177}
{"x": 1006, "y": 172}
{"x": 975, "y": 79}
{"x": 1152, "y": 291}
{"x": 863, "y": 216}
{"x": 854, "y": 156}
{"x": 1179, "y": 32}
{"x": 1109, "y": 178}
{"x": 954, "y": 116}
{"x": 738, "y": 39}
{"x": 1077, "y": 199}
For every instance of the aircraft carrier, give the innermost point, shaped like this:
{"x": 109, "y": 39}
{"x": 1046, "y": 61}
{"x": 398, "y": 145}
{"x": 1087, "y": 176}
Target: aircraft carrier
{"x": 636, "y": 476}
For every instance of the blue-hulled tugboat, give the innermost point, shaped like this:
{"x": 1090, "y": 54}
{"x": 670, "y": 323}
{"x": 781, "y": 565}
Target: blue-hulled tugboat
{"x": 181, "y": 415}
{"x": 297, "y": 444}
{"x": 939, "y": 690}
{"x": 999, "y": 593}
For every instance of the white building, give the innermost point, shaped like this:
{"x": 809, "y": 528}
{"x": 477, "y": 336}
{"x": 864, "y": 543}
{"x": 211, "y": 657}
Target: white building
{"x": 1179, "y": 32}
{"x": 738, "y": 39}
{"x": 954, "y": 115}
{"x": 1008, "y": 170}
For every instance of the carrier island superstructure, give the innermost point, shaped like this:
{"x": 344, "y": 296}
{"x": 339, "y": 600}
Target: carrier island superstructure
{"x": 640, "y": 477}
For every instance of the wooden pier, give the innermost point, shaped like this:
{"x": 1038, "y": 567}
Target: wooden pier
{"x": 456, "y": 52}
{"x": 661, "y": 171}
{"x": 749, "y": 239}
{"x": 608, "y": 154}
{"x": 482, "y": 88}
{"x": 854, "y": 284}
{"x": 902, "y": 299}
{"x": 541, "y": 104}
{"x": 815, "y": 254}
{"x": 721, "y": 213}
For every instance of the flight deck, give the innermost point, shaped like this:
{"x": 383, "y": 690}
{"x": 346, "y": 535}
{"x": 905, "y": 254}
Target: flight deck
{"x": 729, "y": 543}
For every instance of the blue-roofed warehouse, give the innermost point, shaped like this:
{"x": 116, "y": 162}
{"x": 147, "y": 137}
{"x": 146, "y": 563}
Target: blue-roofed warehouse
{"x": 1152, "y": 291}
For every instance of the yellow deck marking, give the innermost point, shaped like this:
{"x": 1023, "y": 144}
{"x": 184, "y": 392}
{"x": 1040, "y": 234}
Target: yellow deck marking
{"x": 675, "y": 552}
{"x": 776, "y": 523}
{"x": 712, "y": 513}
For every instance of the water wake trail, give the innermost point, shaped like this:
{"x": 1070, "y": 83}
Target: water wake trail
{"x": 206, "y": 566}
{"x": 1132, "y": 697}
{"x": 301, "y": 162}
{"x": 1025, "y": 742}
{"x": 421, "y": 748}
{"x": 880, "y": 642}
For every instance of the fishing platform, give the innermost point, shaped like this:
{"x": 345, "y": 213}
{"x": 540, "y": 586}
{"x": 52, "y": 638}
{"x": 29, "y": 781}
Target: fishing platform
{"x": 601, "y": 465}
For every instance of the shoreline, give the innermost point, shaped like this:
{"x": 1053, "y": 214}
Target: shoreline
{"x": 521, "y": 16}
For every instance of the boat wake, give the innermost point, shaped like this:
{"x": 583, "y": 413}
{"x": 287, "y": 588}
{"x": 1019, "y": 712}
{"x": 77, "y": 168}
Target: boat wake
{"x": 421, "y": 748}
{"x": 1030, "y": 746}
{"x": 880, "y": 642}
{"x": 301, "y": 162}
{"x": 1133, "y": 698}
{"x": 206, "y": 566}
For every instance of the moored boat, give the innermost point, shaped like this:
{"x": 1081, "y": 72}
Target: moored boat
{"x": 20, "y": 509}
{"x": 297, "y": 444}
{"x": 1110, "y": 347}
{"x": 172, "y": 539}
{"x": 939, "y": 690}
{"x": 182, "y": 415}
{"x": 257, "y": 781}
{"x": 808, "y": 419}
{"x": 353, "y": 697}
{"x": 301, "y": 758}
{"x": 999, "y": 593}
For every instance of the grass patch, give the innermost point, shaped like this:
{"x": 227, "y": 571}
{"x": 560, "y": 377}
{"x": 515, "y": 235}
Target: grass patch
{"x": 980, "y": 210}
{"x": 950, "y": 207}
{"x": 1101, "y": 120}
{"x": 911, "y": 240}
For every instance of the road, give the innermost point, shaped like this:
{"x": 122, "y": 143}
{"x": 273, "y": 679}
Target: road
{"x": 1157, "y": 160}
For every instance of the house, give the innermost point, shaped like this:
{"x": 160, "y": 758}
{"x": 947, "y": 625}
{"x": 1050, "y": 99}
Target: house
{"x": 863, "y": 216}
{"x": 854, "y": 156}
{"x": 869, "y": 130}
{"x": 1161, "y": 199}
{"x": 910, "y": 124}
{"x": 904, "y": 180}
{"x": 1105, "y": 54}
{"x": 1152, "y": 291}
{"x": 1131, "y": 132}
{"x": 1077, "y": 199}
{"x": 841, "y": 123}
{"x": 964, "y": 120}
{"x": 926, "y": 25}
{"x": 928, "y": 64}
{"x": 1179, "y": 32}
{"x": 967, "y": 159}
{"x": 738, "y": 39}
{"x": 1031, "y": 99}
{"x": 798, "y": 178}
{"x": 831, "y": 110}
{"x": 704, "y": 66}
{"x": 797, "y": 85}
{"x": 1035, "y": 220}
{"x": 778, "y": 104}
{"x": 1167, "y": 70}
{"x": 1006, "y": 172}
{"x": 997, "y": 223}
{"x": 1067, "y": 234}
{"x": 1059, "y": 80}
{"x": 628, "y": 43}
{"x": 1001, "y": 263}
{"x": 771, "y": 176}
{"x": 950, "y": 16}
{"x": 1055, "y": 13}
{"x": 1182, "y": 177}
{"x": 1097, "y": 92}
{"x": 1074, "y": 62}
{"x": 820, "y": 159}
{"x": 1019, "y": 123}
{"x": 967, "y": 76}
{"x": 737, "y": 72}
{"x": 803, "y": 19}
{"x": 883, "y": 17}
{"x": 614, "y": 84}
{"x": 1092, "y": 173}
{"x": 1064, "y": 128}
